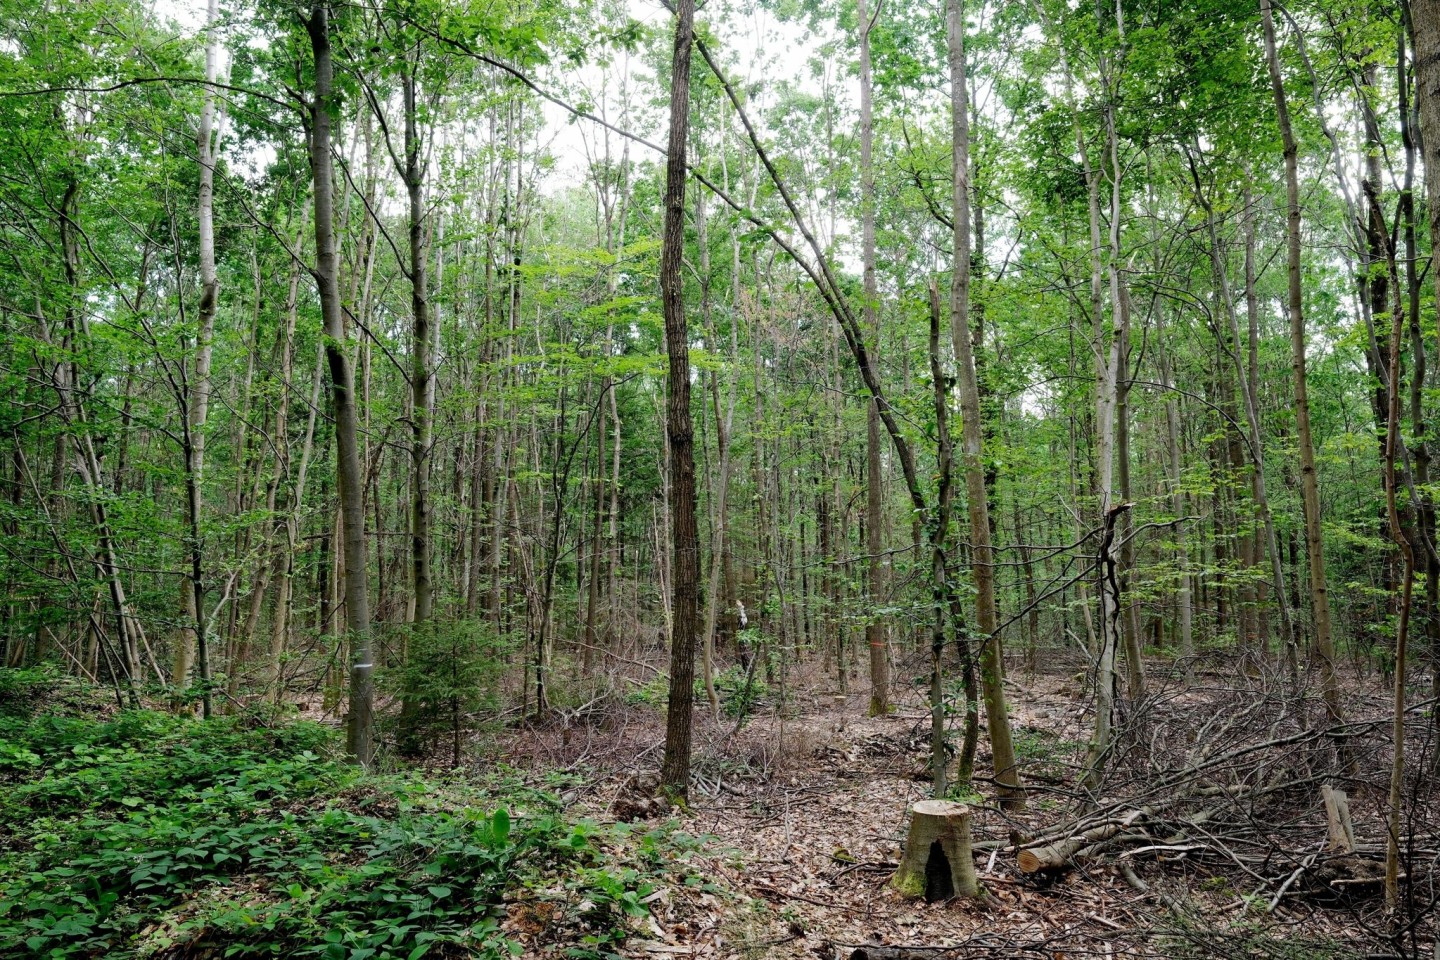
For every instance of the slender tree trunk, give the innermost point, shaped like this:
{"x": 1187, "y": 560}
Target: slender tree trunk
{"x": 1425, "y": 26}
{"x": 1393, "y": 452}
{"x": 1116, "y": 387}
{"x": 972, "y": 436}
{"x": 422, "y": 378}
{"x": 675, "y": 768}
{"x": 720, "y": 496}
{"x": 1109, "y": 364}
{"x": 597, "y": 486}
{"x": 945, "y": 605}
{"x": 196, "y": 414}
{"x": 342, "y": 384}
{"x": 1130, "y": 623}
{"x": 876, "y": 631}
{"x": 1310, "y": 493}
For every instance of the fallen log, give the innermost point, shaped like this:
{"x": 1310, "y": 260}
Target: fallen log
{"x": 1060, "y": 853}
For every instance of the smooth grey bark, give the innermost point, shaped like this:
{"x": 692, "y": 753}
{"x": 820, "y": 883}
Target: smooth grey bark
{"x": 876, "y": 630}
{"x": 1310, "y": 493}
{"x": 720, "y": 497}
{"x": 982, "y": 566}
{"x": 358, "y": 730}
{"x": 198, "y": 406}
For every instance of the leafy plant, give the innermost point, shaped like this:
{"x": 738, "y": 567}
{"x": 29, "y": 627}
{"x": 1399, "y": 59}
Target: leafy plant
{"x": 151, "y": 834}
{"x": 451, "y": 671}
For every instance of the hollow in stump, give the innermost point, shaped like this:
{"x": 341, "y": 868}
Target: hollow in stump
{"x": 937, "y": 863}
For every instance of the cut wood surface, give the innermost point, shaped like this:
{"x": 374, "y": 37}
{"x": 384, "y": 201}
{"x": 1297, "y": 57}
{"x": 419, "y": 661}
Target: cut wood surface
{"x": 938, "y": 862}
{"x": 1056, "y": 855}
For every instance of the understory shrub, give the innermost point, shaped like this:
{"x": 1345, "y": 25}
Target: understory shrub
{"x": 152, "y": 835}
{"x": 452, "y": 672}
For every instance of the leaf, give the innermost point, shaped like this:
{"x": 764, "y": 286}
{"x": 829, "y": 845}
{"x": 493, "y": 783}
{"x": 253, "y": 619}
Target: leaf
{"x": 439, "y": 893}
{"x": 500, "y": 824}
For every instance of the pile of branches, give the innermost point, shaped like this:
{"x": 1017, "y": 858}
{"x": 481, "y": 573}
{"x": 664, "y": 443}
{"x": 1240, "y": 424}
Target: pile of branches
{"x": 1249, "y": 784}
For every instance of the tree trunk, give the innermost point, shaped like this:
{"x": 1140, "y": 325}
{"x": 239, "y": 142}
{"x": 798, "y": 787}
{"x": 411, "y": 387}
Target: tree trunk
{"x": 875, "y": 627}
{"x": 1425, "y": 24}
{"x": 972, "y": 437}
{"x": 422, "y": 379}
{"x": 1109, "y": 369}
{"x": 1393, "y": 447}
{"x": 675, "y": 768}
{"x": 342, "y": 384}
{"x": 197, "y": 413}
{"x": 937, "y": 864}
{"x": 1310, "y": 494}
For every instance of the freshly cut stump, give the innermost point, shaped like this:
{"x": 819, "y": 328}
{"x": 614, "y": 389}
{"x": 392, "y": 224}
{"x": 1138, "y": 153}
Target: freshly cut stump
{"x": 937, "y": 863}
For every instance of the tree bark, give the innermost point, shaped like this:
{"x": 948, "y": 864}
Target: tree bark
{"x": 937, "y": 864}
{"x": 358, "y": 738}
{"x": 1310, "y": 493}
{"x": 875, "y": 628}
{"x": 1393, "y": 446}
{"x": 1425, "y": 26}
{"x": 972, "y": 431}
{"x": 197, "y": 411}
{"x": 422, "y": 379}
{"x": 685, "y": 539}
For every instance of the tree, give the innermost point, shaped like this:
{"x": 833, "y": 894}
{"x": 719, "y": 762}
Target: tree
{"x": 195, "y": 409}
{"x": 875, "y": 627}
{"x": 684, "y": 534}
{"x": 972, "y": 430}
{"x": 359, "y": 722}
{"x": 1310, "y": 491}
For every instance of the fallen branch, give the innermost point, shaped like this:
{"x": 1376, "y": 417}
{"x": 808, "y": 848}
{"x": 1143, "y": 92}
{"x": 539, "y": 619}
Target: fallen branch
{"x": 1060, "y": 854}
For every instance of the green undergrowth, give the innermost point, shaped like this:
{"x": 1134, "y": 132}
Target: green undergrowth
{"x": 738, "y": 692}
{"x": 144, "y": 834}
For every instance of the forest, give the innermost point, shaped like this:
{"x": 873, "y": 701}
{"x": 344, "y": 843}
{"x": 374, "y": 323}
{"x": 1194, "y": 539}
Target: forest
{"x": 741, "y": 479}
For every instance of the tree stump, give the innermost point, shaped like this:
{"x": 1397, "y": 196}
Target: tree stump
{"x": 1337, "y": 816}
{"x": 937, "y": 863}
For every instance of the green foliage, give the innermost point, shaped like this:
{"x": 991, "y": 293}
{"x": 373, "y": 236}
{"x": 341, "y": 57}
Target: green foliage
{"x": 652, "y": 693}
{"x": 22, "y": 691}
{"x": 609, "y": 899}
{"x": 452, "y": 671}
{"x": 737, "y": 697}
{"x": 149, "y": 833}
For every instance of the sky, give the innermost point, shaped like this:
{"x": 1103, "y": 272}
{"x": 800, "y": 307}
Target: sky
{"x": 753, "y": 36}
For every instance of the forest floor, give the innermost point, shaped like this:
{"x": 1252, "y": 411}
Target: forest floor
{"x": 800, "y": 823}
